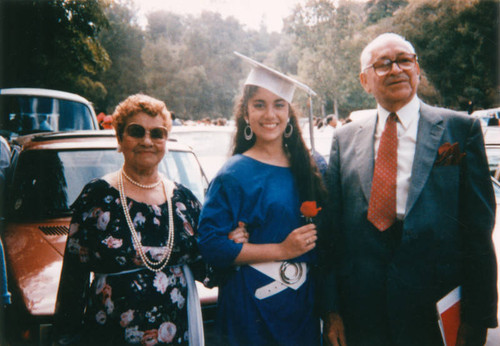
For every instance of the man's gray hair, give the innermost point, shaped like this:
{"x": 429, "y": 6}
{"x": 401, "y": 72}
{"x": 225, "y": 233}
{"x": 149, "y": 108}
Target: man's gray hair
{"x": 366, "y": 54}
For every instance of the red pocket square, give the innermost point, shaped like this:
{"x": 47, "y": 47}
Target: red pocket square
{"x": 449, "y": 154}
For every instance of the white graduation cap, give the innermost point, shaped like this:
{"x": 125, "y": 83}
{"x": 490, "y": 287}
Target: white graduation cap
{"x": 272, "y": 80}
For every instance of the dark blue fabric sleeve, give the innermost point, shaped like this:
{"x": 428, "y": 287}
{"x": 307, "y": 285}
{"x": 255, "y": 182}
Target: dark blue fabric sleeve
{"x": 218, "y": 218}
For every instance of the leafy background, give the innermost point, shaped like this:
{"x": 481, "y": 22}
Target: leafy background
{"x": 97, "y": 49}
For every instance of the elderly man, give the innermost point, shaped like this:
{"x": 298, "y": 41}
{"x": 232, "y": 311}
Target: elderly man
{"x": 411, "y": 214}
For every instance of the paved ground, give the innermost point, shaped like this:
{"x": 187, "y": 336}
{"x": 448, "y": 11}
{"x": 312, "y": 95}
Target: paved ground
{"x": 493, "y": 337}
{"x": 494, "y": 334}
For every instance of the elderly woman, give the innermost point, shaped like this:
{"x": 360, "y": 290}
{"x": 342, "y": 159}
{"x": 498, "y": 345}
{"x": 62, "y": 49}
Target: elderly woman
{"x": 135, "y": 231}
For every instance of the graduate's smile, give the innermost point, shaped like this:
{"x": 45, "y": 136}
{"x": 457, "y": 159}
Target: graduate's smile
{"x": 267, "y": 115}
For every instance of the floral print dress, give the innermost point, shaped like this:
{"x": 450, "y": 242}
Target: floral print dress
{"x": 126, "y": 303}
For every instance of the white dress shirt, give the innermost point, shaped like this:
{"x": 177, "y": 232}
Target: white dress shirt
{"x": 407, "y": 127}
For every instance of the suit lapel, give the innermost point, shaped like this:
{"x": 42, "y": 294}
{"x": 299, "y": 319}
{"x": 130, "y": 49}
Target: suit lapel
{"x": 365, "y": 156}
{"x": 430, "y": 131}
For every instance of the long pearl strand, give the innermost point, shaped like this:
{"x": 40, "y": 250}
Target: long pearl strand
{"x": 152, "y": 186}
{"x": 151, "y": 265}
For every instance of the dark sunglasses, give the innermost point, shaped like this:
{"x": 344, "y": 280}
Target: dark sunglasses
{"x": 138, "y": 131}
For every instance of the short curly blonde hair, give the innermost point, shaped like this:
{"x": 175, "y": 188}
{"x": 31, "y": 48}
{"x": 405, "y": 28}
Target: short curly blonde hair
{"x": 139, "y": 103}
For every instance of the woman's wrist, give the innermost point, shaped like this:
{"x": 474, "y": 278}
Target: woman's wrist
{"x": 259, "y": 253}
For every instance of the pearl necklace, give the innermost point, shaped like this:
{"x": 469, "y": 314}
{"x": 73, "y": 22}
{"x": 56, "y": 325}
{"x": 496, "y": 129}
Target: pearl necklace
{"x": 151, "y": 265}
{"x": 152, "y": 186}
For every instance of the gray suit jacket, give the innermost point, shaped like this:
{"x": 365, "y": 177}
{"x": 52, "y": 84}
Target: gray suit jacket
{"x": 388, "y": 292}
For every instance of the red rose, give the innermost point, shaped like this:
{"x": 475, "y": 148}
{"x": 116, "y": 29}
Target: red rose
{"x": 309, "y": 209}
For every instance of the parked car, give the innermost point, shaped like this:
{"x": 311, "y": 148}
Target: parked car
{"x": 492, "y": 145}
{"x": 485, "y": 115}
{"x": 48, "y": 172}
{"x": 29, "y": 110}
{"x": 211, "y": 144}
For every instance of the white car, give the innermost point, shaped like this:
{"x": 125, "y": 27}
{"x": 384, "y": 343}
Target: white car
{"x": 484, "y": 115}
{"x": 211, "y": 144}
{"x": 29, "y": 110}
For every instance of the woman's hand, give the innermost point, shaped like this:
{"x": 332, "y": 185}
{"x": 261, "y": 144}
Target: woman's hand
{"x": 239, "y": 234}
{"x": 299, "y": 241}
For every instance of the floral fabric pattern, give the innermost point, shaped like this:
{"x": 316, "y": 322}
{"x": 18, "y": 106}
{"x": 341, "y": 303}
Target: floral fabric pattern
{"x": 126, "y": 303}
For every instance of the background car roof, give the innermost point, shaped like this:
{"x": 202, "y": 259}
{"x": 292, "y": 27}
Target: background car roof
{"x": 44, "y": 93}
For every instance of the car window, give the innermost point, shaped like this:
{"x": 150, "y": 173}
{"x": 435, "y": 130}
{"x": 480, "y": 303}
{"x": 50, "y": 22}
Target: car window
{"x": 47, "y": 182}
{"x": 20, "y": 115}
{"x": 184, "y": 168}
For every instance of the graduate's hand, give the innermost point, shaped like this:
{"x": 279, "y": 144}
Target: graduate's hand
{"x": 469, "y": 335}
{"x": 299, "y": 241}
{"x": 239, "y": 234}
{"x": 334, "y": 330}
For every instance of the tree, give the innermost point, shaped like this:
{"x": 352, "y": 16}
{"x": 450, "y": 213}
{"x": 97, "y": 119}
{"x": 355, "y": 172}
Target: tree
{"x": 457, "y": 42}
{"x": 458, "y": 47}
{"x": 53, "y": 44}
{"x": 124, "y": 40}
{"x": 380, "y": 9}
{"x": 323, "y": 30}
{"x": 196, "y": 73}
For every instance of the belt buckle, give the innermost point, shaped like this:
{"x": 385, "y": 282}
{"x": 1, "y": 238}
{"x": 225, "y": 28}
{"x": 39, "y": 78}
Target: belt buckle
{"x": 290, "y": 272}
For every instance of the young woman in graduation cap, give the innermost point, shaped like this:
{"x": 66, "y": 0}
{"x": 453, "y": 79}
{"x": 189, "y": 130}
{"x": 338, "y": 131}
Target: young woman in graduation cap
{"x": 267, "y": 292}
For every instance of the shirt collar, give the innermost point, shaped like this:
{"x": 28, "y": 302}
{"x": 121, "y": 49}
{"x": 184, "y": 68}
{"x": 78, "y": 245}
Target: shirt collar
{"x": 406, "y": 115}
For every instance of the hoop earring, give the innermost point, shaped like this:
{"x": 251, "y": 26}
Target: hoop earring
{"x": 247, "y": 132}
{"x": 288, "y": 130}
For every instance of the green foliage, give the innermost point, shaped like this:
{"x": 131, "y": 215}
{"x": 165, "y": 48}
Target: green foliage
{"x": 53, "y": 44}
{"x": 123, "y": 39}
{"x": 457, "y": 43}
{"x": 325, "y": 33}
{"x": 380, "y": 9}
{"x": 97, "y": 48}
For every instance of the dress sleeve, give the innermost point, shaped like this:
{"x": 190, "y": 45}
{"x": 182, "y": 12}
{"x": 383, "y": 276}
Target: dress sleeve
{"x": 190, "y": 210}
{"x": 74, "y": 281}
{"x": 219, "y": 217}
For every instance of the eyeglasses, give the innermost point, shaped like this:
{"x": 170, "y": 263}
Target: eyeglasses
{"x": 138, "y": 131}
{"x": 383, "y": 66}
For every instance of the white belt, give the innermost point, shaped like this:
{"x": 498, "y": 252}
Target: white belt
{"x": 286, "y": 274}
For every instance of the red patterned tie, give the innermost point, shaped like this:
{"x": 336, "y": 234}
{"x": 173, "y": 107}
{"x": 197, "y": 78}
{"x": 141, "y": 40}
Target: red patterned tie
{"x": 382, "y": 206}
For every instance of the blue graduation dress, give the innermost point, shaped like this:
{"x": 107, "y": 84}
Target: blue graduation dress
{"x": 265, "y": 197}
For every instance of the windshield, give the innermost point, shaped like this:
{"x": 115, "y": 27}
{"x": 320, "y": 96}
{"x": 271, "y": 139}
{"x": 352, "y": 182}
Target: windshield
{"x": 47, "y": 182}
{"x": 21, "y": 114}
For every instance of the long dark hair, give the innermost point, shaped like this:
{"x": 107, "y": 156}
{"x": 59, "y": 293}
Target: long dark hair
{"x": 302, "y": 165}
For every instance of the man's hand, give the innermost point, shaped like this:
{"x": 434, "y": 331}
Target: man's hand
{"x": 334, "y": 330}
{"x": 471, "y": 335}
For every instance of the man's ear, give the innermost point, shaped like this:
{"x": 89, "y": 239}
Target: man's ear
{"x": 364, "y": 82}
